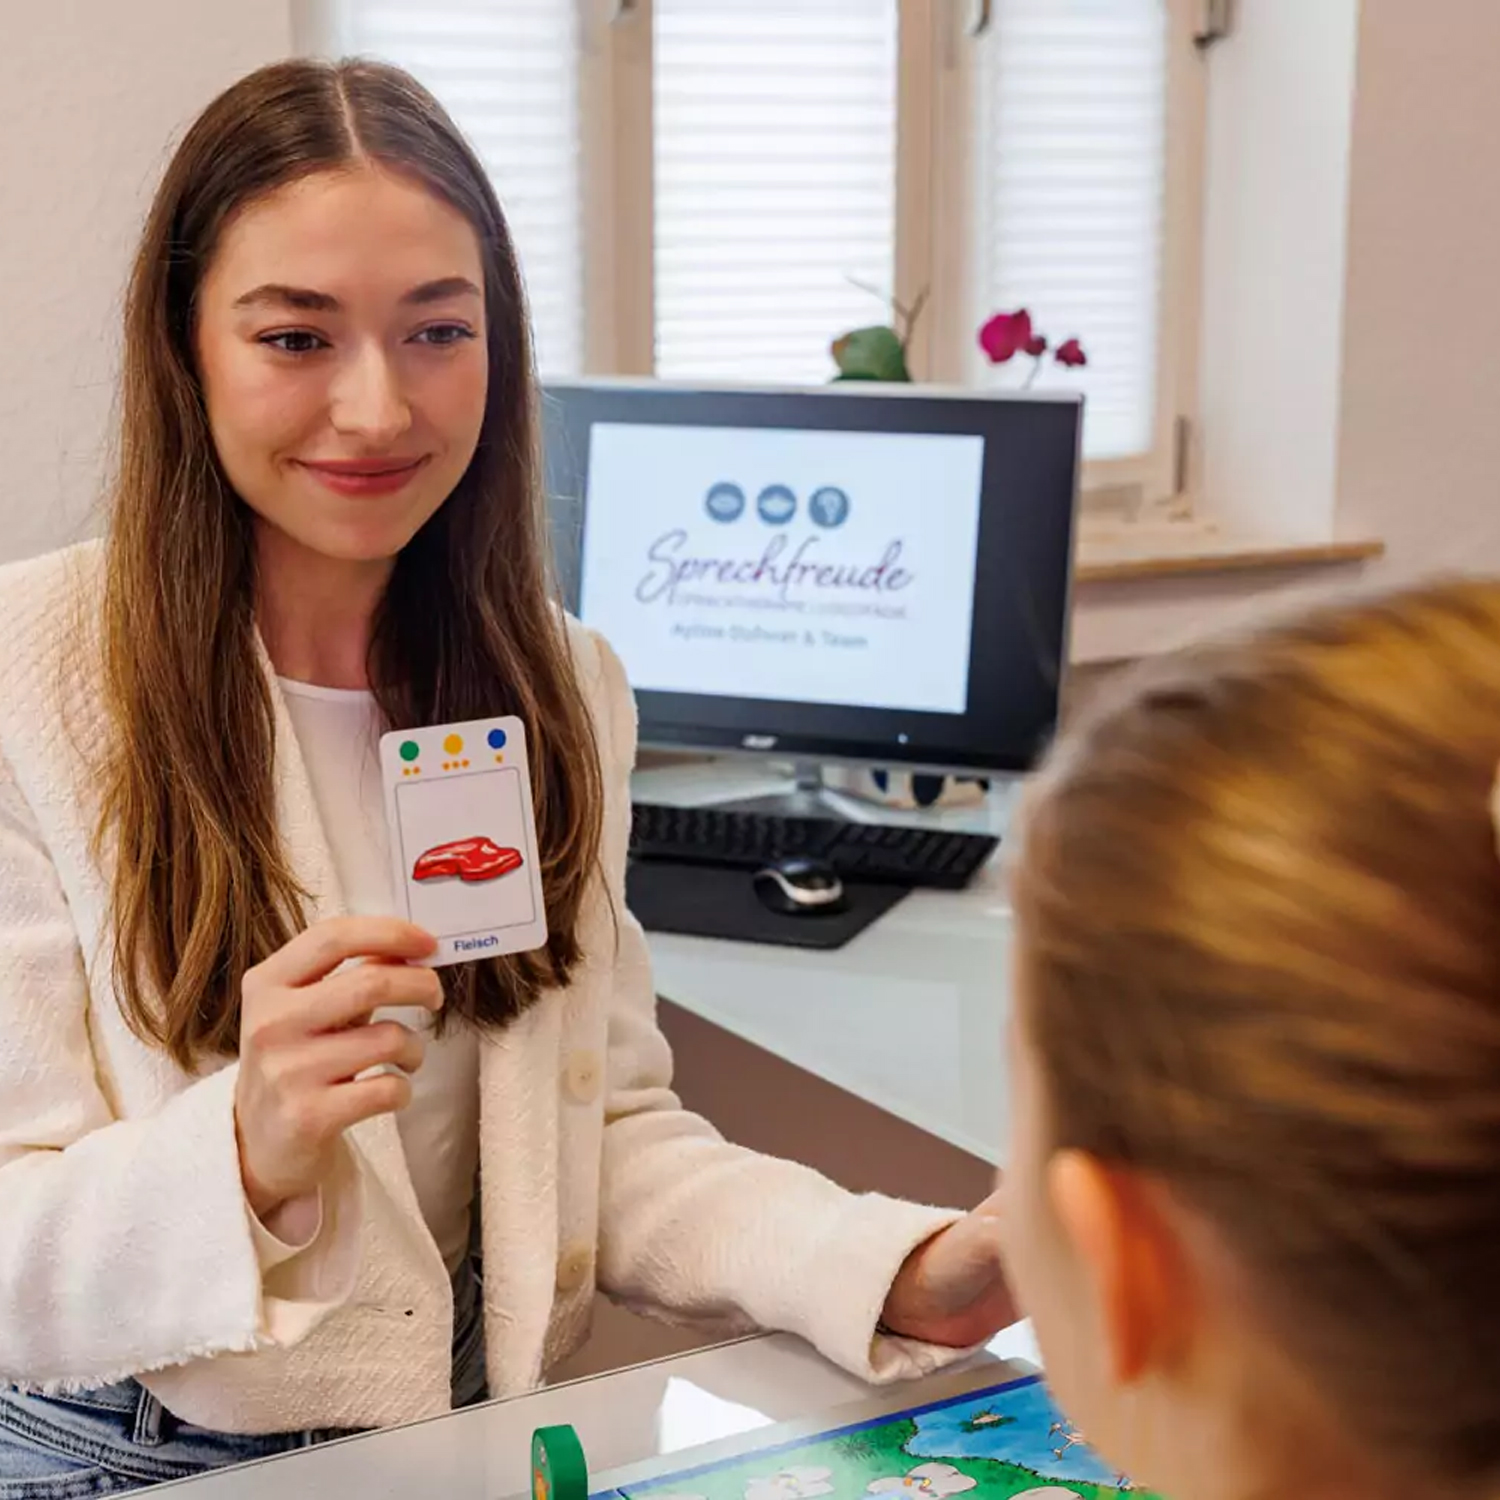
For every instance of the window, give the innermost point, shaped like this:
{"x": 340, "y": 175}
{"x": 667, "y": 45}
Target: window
{"x": 715, "y": 189}
{"x": 1067, "y": 163}
{"x": 508, "y": 74}
{"x": 1069, "y": 192}
{"x": 774, "y": 140}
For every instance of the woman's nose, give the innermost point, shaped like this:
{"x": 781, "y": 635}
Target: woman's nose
{"x": 368, "y": 401}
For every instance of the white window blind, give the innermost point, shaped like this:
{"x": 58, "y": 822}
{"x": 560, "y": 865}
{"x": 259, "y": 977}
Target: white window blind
{"x": 1071, "y": 161}
{"x": 507, "y": 71}
{"x": 775, "y": 171}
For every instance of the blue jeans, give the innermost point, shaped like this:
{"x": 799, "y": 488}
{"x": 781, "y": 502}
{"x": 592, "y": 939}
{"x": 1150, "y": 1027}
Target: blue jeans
{"x": 120, "y": 1437}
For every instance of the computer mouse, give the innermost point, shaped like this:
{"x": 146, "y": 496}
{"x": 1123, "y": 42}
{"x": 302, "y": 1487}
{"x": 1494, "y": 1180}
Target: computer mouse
{"x": 798, "y": 887}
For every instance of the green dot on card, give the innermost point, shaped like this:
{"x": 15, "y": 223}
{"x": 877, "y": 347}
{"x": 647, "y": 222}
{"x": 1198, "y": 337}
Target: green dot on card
{"x": 410, "y": 750}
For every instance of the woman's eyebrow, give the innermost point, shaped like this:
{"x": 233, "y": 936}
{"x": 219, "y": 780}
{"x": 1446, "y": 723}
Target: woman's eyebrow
{"x": 440, "y": 290}
{"x": 305, "y": 299}
{"x": 274, "y": 294}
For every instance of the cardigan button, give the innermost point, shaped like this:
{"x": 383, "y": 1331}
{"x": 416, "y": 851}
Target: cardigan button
{"x": 575, "y": 1267}
{"x": 582, "y": 1077}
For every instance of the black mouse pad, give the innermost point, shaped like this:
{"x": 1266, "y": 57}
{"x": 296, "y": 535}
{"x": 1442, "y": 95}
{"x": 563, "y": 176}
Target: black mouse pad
{"x": 710, "y": 901}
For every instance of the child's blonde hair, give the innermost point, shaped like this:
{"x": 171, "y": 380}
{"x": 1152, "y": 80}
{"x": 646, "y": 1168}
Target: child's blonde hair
{"x": 1259, "y": 918}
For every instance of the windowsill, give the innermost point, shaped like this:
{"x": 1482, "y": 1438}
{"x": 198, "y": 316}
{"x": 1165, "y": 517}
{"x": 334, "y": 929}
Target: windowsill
{"x": 1127, "y": 553}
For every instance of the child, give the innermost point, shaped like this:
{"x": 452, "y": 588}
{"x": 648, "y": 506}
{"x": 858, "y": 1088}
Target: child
{"x": 1254, "y": 1203}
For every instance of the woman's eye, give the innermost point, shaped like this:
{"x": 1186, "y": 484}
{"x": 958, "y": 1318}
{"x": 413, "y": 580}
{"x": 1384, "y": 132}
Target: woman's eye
{"x": 444, "y": 335}
{"x": 294, "y": 341}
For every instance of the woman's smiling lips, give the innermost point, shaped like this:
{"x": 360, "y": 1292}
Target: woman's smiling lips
{"x": 363, "y": 476}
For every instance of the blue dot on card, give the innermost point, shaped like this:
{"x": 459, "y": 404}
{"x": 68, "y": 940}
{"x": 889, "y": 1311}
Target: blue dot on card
{"x": 497, "y": 739}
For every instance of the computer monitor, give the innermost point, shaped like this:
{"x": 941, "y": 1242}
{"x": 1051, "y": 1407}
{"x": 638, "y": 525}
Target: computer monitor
{"x": 858, "y": 573}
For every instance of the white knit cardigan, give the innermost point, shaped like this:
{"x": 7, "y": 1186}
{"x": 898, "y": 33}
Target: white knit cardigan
{"x": 125, "y": 1245}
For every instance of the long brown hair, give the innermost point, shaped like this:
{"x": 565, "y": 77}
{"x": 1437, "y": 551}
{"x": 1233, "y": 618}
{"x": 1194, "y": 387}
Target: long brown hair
{"x": 469, "y": 626}
{"x": 1258, "y": 916}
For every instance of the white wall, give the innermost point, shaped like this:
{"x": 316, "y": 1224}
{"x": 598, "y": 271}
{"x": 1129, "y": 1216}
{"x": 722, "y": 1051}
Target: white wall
{"x": 91, "y": 94}
{"x": 1420, "y": 439}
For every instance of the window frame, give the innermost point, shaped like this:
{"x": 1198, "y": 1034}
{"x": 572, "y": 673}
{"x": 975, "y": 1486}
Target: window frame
{"x": 616, "y": 184}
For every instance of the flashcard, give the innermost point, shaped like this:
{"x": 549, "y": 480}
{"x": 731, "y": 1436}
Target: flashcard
{"x": 463, "y": 837}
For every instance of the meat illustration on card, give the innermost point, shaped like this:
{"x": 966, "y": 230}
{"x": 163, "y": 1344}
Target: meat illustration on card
{"x": 470, "y": 860}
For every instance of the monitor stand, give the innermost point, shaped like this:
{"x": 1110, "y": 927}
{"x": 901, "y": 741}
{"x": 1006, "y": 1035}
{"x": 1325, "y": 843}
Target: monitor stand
{"x": 809, "y": 797}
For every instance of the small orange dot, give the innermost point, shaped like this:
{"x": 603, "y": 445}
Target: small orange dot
{"x": 463, "y": 762}
{"x": 416, "y": 770}
{"x": 499, "y": 760}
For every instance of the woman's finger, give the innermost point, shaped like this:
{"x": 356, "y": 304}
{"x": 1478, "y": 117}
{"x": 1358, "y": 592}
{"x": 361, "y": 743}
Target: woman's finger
{"x": 341, "y": 1056}
{"x": 314, "y": 954}
{"x": 351, "y": 997}
{"x": 349, "y": 1103}
{"x": 312, "y": 1065}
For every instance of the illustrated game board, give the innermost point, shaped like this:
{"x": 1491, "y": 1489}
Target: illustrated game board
{"x": 1002, "y": 1442}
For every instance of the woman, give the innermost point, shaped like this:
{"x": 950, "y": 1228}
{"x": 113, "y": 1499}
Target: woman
{"x": 1256, "y": 1148}
{"x": 223, "y": 1233}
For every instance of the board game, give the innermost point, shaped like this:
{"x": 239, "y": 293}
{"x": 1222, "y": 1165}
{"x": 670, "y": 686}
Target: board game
{"x": 1001, "y": 1441}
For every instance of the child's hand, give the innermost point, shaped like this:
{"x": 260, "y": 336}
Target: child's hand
{"x": 952, "y": 1289}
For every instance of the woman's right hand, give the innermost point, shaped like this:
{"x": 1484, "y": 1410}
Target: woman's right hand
{"x": 305, "y": 1035}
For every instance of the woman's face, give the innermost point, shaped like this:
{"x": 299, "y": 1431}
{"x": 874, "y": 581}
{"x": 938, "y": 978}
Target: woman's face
{"x": 340, "y": 338}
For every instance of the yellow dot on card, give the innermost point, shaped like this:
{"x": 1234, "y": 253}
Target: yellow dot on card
{"x": 463, "y": 763}
{"x": 499, "y": 760}
{"x": 453, "y": 744}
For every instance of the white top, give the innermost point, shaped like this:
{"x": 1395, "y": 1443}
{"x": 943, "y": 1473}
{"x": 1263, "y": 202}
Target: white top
{"x": 338, "y": 732}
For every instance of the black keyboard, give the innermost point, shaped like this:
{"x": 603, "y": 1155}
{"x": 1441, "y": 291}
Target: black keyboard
{"x": 875, "y": 852}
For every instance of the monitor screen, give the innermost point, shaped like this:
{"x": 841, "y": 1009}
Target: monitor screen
{"x": 844, "y": 574}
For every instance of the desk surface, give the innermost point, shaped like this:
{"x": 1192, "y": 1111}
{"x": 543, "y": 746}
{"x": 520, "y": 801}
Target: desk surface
{"x": 622, "y": 1418}
{"x": 909, "y": 1016}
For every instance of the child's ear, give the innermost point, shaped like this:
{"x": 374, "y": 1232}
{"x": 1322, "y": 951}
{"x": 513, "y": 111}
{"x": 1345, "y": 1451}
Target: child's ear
{"x": 1133, "y": 1259}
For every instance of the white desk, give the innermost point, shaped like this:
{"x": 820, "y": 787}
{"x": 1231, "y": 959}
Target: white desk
{"x": 909, "y": 1016}
{"x": 622, "y": 1418}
